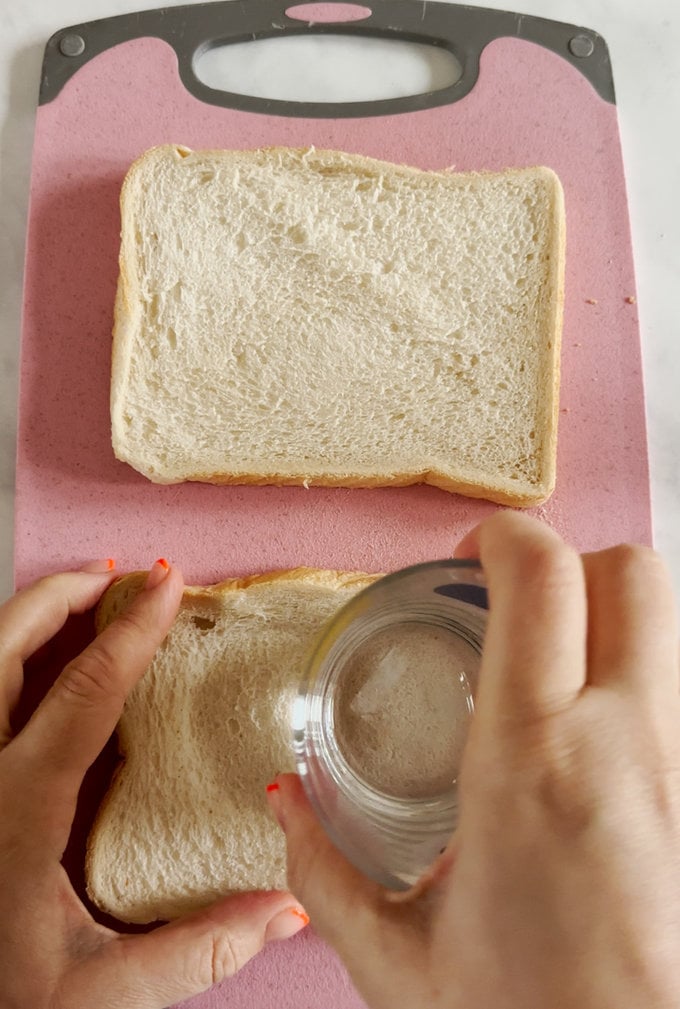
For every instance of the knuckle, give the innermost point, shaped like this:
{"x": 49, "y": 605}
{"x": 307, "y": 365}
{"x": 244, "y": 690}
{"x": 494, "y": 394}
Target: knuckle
{"x": 224, "y": 961}
{"x": 635, "y": 559}
{"x": 547, "y": 717}
{"x": 130, "y": 622}
{"x": 533, "y": 553}
{"x": 89, "y": 679}
{"x": 568, "y": 799}
{"x": 527, "y": 740}
{"x": 548, "y": 782}
{"x": 53, "y": 592}
{"x": 52, "y": 583}
{"x": 567, "y": 773}
{"x": 13, "y": 631}
{"x": 551, "y": 565}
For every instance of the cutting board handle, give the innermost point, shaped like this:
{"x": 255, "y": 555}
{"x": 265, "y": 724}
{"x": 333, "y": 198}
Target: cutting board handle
{"x": 190, "y": 30}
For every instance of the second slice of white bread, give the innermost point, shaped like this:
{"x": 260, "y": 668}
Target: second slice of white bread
{"x": 315, "y": 317}
{"x": 208, "y": 725}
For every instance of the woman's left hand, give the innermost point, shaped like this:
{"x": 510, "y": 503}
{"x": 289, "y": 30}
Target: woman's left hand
{"x": 53, "y": 955}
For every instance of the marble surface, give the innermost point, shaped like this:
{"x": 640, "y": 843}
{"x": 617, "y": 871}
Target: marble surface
{"x": 643, "y": 40}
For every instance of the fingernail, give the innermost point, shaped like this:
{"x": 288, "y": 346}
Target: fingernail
{"x": 286, "y": 924}
{"x": 274, "y": 799}
{"x": 102, "y": 566}
{"x": 157, "y": 574}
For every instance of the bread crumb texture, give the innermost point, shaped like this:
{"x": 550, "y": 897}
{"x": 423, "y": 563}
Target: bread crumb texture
{"x": 185, "y": 820}
{"x": 303, "y": 316}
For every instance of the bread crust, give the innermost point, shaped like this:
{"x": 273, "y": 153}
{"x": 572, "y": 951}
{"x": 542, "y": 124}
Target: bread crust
{"x": 324, "y": 578}
{"x": 435, "y": 478}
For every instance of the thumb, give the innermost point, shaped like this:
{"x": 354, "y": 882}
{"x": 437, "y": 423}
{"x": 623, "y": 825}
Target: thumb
{"x": 372, "y": 932}
{"x": 316, "y": 869}
{"x": 191, "y": 954}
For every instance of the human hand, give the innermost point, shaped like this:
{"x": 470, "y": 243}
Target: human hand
{"x": 560, "y": 888}
{"x": 53, "y": 955}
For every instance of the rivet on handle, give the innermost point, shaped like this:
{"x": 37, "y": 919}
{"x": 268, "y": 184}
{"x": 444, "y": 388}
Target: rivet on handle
{"x": 72, "y": 45}
{"x": 581, "y": 46}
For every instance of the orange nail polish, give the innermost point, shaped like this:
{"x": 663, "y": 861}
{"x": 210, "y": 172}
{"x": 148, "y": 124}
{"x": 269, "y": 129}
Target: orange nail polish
{"x": 100, "y": 567}
{"x": 285, "y": 924}
{"x": 274, "y": 800}
{"x": 157, "y": 574}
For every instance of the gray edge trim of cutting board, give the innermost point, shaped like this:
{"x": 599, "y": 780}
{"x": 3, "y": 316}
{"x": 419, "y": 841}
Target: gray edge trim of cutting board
{"x": 192, "y": 29}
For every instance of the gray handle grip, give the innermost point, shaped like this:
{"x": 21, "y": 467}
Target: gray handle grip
{"x": 190, "y": 30}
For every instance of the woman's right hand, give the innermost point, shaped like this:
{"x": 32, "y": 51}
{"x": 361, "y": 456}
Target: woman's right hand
{"x": 561, "y": 886}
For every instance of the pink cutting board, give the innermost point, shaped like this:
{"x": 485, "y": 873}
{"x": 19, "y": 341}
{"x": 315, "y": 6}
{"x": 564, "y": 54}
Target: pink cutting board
{"x": 529, "y": 104}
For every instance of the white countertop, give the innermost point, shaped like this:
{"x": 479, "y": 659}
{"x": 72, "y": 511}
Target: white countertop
{"x": 644, "y": 40}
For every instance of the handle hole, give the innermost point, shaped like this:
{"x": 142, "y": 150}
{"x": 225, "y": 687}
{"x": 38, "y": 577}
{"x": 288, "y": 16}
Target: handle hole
{"x": 327, "y": 67}
{"x": 328, "y": 13}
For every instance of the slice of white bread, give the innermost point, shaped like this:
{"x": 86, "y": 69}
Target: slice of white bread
{"x": 314, "y": 317}
{"x": 209, "y": 724}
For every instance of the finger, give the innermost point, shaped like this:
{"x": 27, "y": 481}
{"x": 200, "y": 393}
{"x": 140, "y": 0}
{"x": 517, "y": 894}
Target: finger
{"x": 533, "y": 661}
{"x": 34, "y": 615}
{"x": 355, "y": 915}
{"x": 632, "y": 620}
{"x": 467, "y": 549}
{"x": 96, "y": 567}
{"x": 79, "y": 713}
{"x": 189, "y": 955}
{"x": 31, "y": 618}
